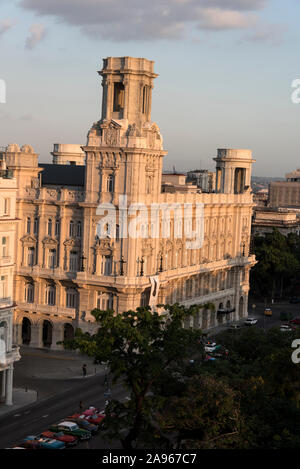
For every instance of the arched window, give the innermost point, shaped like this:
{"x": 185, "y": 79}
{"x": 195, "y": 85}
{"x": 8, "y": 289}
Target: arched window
{"x": 71, "y": 298}
{"x": 49, "y": 227}
{"x": 50, "y": 295}
{"x": 110, "y": 183}
{"x": 29, "y": 293}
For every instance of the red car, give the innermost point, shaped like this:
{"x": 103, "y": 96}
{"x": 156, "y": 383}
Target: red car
{"x": 95, "y": 418}
{"x": 295, "y": 321}
{"x": 69, "y": 440}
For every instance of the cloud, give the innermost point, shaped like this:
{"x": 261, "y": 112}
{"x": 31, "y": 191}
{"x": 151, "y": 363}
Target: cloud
{"x": 37, "y": 33}
{"x": 219, "y": 20}
{"x": 141, "y": 19}
{"x": 272, "y": 34}
{"x": 6, "y": 25}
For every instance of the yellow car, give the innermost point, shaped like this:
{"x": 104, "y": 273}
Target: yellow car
{"x": 268, "y": 312}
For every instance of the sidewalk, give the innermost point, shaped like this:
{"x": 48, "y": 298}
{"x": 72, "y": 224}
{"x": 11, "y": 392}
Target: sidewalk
{"x": 54, "y": 364}
{"x": 21, "y": 398}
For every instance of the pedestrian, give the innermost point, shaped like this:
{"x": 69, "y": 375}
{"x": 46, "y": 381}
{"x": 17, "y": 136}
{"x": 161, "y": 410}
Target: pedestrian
{"x": 84, "y": 371}
{"x": 80, "y": 407}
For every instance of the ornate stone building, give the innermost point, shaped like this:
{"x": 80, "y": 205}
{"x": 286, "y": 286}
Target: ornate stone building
{"x": 9, "y": 353}
{"x": 66, "y": 266}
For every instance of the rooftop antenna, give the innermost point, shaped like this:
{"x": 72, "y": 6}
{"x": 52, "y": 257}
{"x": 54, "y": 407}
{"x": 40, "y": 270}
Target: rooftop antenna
{"x": 174, "y": 169}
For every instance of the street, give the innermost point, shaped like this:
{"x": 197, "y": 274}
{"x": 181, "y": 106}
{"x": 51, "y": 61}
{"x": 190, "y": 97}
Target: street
{"x": 60, "y": 393}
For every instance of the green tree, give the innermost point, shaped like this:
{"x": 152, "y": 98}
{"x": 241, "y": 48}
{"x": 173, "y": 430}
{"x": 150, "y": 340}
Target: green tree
{"x": 138, "y": 346}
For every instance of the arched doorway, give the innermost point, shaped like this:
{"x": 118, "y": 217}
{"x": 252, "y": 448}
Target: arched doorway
{"x": 47, "y": 334}
{"x": 26, "y": 331}
{"x": 221, "y": 306}
{"x": 68, "y": 332}
{"x": 241, "y": 306}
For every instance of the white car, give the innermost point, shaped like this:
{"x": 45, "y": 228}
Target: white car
{"x": 210, "y": 346}
{"x": 250, "y": 322}
{"x": 286, "y": 328}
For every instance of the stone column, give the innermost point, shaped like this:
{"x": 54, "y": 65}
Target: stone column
{"x": 57, "y": 336}
{"x": 9, "y": 385}
{"x": 36, "y": 339}
{"x": 3, "y": 386}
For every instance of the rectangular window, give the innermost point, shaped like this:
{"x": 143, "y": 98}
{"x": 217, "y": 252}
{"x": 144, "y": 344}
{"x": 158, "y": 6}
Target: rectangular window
{"x": 3, "y": 286}
{"x": 6, "y": 206}
{"x": 52, "y": 258}
{"x": 57, "y": 228}
{"x": 73, "y": 264}
{"x": 4, "y": 246}
{"x": 36, "y": 226}
{"x": 31, "y": 256}
{"x": 106, "y": 266}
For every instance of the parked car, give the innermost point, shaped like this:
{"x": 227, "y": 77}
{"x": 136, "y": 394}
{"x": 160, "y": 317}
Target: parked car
{"x": 46, "y": 443}
{"x": 295, "y": 321}
{"x": 71, "y": 428}
{"x": 209, "y": 358}
{"x": 68, "y": 440}
{"x": 96, "y": 419}
{"x": 30, "y": 444}
{"x": 83, "y": 423}
{"x": 210, "y": 346}
{"x": 220, "y": 352}
{"x": 250, "y": 322}
{"x": 234, "y": 327}
{"x": 295, "y": 300}
{"x": 286, "y": 328}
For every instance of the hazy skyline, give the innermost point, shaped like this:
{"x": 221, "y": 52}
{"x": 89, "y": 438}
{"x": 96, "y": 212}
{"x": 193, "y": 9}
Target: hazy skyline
{"x": 225, "y": 73}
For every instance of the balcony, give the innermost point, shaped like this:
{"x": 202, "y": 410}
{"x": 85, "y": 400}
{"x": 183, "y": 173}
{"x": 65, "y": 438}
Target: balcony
{"x": 10, "y": 357}
{"x": 6, "y": 303}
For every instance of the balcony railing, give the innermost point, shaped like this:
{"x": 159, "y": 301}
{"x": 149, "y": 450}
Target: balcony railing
{"x": 5, "y": 302}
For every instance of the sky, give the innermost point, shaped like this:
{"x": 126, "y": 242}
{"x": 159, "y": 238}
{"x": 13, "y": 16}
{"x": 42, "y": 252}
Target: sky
{"x": 225, "y": 69}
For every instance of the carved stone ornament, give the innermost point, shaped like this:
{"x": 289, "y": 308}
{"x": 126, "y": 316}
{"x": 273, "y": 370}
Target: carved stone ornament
{"x": 133, "y": 131}
{"x": 111, "y": 133}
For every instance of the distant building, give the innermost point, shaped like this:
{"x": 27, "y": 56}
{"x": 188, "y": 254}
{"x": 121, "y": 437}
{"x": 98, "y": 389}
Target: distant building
{"x": 260, "y": 198}
{"x": 68, "y": 154}
{"x": 286, "y": 193}
{"x": 176, "y": 182}
{"x": 9, "y": 353}
{"x": 204, "y": 179}
{"x": 267, "y": 218}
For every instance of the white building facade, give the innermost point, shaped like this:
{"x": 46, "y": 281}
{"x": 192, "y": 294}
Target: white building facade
{"x": 9, "y": 353}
